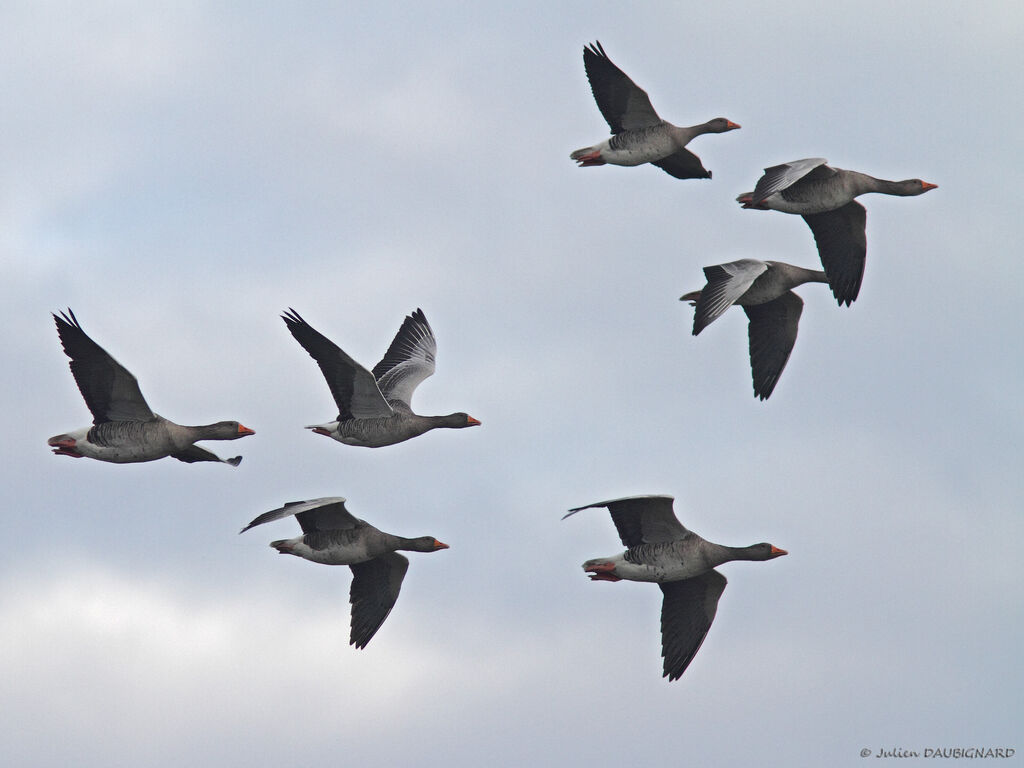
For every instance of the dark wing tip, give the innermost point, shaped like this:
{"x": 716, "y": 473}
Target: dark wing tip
{"x": 420, "y": 317}
{"x": 594, "y": 49}
{"x": 683, "y": 164}
{"x": 574, "y": 510}
{"x": 66, "y": 321}
{"x": 252, "y": 523}
{"x": 846, "y": 299}
{"x": 67, "y": 318}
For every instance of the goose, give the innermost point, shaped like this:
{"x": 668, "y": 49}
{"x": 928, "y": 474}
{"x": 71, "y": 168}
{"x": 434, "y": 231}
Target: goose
{"x": 374, "y": 407}
{"x": 824, "y": 196}
{"x": 660, "y": 549}
{"x": 638, "y": 134}
{"x": 124, "y": 430}
{"x": 332, "y": 536}
{"x": 764, "y": 290}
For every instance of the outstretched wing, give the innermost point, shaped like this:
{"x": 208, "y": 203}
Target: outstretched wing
{"x": 726, "y": 283}
{"x": 624, "y": 104}
{"x": 408, "y": 361}
{"x": 353, "y": 387}
{"x": 687, "y": 611}
{"x": 324, "y": 514}
{"x": 843, "y": 247}
{"x": 641, "y": 519}
{"x": 772, "y": 332}
{"x": 194, "y": 453}
{"x": 783, "y": 176}
{"x": 683, "y": 164}
{"x": 110, "y": 391}
{"x": 375, "y": 587}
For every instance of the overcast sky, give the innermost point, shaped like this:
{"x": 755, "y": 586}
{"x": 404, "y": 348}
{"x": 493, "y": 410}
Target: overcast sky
{"x": 180, "y": 177}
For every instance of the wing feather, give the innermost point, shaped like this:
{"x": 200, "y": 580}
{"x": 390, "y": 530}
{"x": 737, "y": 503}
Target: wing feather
{"x": 353, "y": 387}
{"x": 772, "y": 333}
{"x": 641, "y": 519}
{"x": 624, "y": 104}
{"x": 109, "y": 389}
{"x": 687, "y": 612}
{"x": 375, "y": 587}
{"x": 324, "y": 514}
{"x": 409, "y": 360}
{"x": 843, "y": 246}
{"x": 683, "y": 164}
{"x": 779, "y": 177}
{"x": 726, "y": 284}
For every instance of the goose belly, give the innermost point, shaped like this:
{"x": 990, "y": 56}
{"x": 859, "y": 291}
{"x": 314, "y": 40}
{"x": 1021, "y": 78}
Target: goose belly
{"x": 637, "y": 147}
{"x": 363, "y": 433}
{"x": 121, "y": 455}
{"x": 800, "y": 207}
{"x": 368, "y": 433}
{"x": 377, "y": 432}
{"x": 329, "y": 556}
{"x": 811, "y": 197}
{"x": 659, "y": 570}
{"x": 124, "y": 442}
{"x": 338, "y": 547}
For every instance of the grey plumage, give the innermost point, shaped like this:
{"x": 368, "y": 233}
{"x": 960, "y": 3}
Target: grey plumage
{"x": 331, "y": 535}
{"x": 374, "y": 407}
{"x": 660, "y": 549}
{"x": 763, "y": 289}
{"x": 125, "y": 429}
{"x": 639, "y": 135}
{"x": 824, "y": 197}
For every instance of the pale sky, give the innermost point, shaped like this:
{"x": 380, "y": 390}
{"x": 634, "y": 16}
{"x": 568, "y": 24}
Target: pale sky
{"x": 180, "y": 177}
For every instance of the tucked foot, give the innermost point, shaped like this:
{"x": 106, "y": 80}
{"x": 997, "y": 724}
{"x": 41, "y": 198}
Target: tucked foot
{"x": 64, "y": 446}
{"x": 746, "y": 201}
{"x": 67, "y": 452}
{"x": 601, "y": 570}
{"x": 587, "y": 156}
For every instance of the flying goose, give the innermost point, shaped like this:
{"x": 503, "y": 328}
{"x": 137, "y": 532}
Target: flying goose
{"x": 660, "y": 549}
{"x": 374, "y": 407}
{"x": 332, "y": 536}
{"x": 824, "y": 196}
{"x": 638, "y": 134}
{"x": 763, "y": 289}
{"x": 124, "y": 429}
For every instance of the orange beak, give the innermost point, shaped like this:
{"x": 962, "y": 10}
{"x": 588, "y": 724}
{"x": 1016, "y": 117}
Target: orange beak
{"x": 472, "y": 422}
{"x": 439, "y": 545}
{"x": 926, "y": 186}
{"x": 244, "y": 431}
{"x": 777, "y": 551}
{"x": 731, "y": 124}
